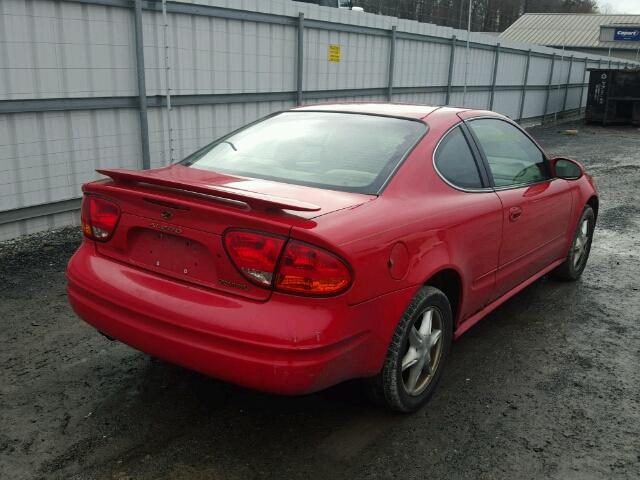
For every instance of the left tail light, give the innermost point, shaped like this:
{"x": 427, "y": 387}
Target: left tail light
{"x": 99, "y": 218}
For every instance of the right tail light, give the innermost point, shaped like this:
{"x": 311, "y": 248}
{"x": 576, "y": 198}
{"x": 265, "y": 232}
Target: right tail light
{"x": 310, "y": 270}
{"x": 254, "y": 254}
{"x": 294, "y": 267}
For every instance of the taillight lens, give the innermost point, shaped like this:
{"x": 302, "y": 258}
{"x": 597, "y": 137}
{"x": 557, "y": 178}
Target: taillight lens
{"x": 309, "y": 270}
{"x": 99, "y": 218}
{"x": 303, "y": 269}
{"x": 254, "y": 254}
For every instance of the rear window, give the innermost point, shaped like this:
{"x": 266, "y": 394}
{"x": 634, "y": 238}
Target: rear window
{"x": 338, "y": 151}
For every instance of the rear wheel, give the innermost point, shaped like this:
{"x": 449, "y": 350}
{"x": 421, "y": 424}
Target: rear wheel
{"x": 415, "y": 359}
{"x": 576, "y": 260}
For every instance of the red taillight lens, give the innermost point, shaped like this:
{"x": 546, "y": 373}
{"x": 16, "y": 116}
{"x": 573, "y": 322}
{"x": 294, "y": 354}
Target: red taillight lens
{"x": 255, "y": 254}
{"x": 303, "y": 269}
{"x": 99, "y": 218}
{"x": 310, "y": 270}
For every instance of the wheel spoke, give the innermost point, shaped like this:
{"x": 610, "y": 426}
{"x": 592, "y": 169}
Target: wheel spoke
{"x": 580, "y": 243}
{"x": 414, "y": 374}
{"x": 435, "y": 336}
{"x": 576, "y": 257}
{"x": 410, "y": 358}
{"x": 427, "y": 364}
{"x": 425, "y": 326}
{"x": 415, "y": 339}
{"x": 577, "y": 246}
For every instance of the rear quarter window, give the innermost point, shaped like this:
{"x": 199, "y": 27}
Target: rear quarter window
{"x": 455, "y": 162}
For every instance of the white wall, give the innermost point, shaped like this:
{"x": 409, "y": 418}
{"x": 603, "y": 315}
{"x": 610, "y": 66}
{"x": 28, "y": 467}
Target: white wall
{"x": 74, "y": 50}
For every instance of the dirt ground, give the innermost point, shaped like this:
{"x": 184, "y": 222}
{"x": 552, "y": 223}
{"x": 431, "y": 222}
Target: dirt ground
{"x": 548, "y": 386}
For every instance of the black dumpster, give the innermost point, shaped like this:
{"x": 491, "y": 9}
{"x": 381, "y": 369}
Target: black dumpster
{"x": 614, "y": 96}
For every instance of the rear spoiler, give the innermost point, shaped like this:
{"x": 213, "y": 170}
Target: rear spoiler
{"x": 259, "y": 200}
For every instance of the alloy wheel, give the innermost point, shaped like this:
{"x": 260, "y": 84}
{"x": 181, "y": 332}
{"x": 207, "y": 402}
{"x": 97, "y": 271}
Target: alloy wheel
{"x": 423, "y": 351}
{"x": 581, "y": 244}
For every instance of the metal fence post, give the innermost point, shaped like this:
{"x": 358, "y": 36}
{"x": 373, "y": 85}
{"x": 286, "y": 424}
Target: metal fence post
{"x": 546, "y": 102}
{"x": 524, "y": 86}
{"x": 566, "y": 87}
{"x": 452, "y": 59}
{"x": 584, "y": 73}
{"x": 167, "y": 77}
{"x": 142, "y": 89}
{"x": 300, "y": 56}
{"x": 392, "y": 62}
{"x": 494, "y": 78}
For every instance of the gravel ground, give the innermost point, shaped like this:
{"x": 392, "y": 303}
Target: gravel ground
{"x": 548, "y": 386}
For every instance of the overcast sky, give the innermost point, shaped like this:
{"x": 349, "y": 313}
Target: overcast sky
{"x": 620, "y": 6}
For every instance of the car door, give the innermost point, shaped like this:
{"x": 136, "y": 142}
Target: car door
{"x": 536, "y": 207}
{"x": 473, "y": 212}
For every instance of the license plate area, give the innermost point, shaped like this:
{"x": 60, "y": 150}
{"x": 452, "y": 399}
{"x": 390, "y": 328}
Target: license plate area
{"x": 169, "y": 249}
{"x": 177, "y": 256}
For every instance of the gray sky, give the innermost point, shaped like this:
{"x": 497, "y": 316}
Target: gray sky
{"x": 620, "y": 6}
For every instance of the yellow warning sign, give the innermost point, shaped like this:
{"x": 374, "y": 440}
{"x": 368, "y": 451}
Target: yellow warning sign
{"x": 334, "y": 53}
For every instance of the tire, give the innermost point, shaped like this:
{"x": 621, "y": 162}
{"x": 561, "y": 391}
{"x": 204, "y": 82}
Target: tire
{"x": 392, "y": 386}
{"x": 578, "y": 255}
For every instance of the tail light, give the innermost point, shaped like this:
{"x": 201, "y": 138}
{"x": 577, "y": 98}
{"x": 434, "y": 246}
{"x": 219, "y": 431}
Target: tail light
{"x": 312, "y": 271}
{"x": 301, "y": 269}
{"x": 255, "y": 254}
{"x": 99, "y": 218}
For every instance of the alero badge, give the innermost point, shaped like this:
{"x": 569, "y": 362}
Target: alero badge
{"x": 167, "y": 215}
{"x": 166, "y": 228}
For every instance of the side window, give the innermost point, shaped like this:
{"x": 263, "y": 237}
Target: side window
{"x": 513, "y": 158}
{"x": 455, "y": 161}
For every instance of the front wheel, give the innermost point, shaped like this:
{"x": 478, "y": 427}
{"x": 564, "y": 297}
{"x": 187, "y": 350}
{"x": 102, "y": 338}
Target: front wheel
{"x": 576, "y": 260}
{"x": 415, "y": 359}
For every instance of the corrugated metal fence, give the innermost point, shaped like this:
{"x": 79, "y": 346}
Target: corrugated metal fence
{"x": 132, "y": 83}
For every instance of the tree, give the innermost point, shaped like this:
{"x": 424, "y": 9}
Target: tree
{"x": 487, "y": 15}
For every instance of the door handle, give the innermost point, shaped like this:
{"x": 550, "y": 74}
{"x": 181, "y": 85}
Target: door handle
{"x": 514, "y": 213}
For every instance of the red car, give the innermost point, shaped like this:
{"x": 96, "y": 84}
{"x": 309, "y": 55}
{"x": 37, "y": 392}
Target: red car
{"x": 329, "y": 242}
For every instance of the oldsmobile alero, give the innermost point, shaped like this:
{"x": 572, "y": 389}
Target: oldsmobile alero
{"x": 329, "y": 242}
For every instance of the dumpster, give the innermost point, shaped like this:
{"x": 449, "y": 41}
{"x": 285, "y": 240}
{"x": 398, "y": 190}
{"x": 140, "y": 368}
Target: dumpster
{"x": 614, "y": 96}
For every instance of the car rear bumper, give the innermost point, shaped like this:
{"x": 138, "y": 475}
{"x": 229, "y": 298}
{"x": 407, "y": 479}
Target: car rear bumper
{"x": 287, "y": 345}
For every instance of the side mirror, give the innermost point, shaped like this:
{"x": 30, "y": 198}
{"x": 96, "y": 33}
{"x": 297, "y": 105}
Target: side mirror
{"x": 566, "y": 168}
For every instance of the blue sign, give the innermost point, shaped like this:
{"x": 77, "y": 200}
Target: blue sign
{"x": 627, "y": 34}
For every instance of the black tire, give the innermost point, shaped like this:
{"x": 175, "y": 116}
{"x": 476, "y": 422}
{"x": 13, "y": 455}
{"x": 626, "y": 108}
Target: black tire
{"x": 388, "y": 386}
{"x": 573, "y": 267}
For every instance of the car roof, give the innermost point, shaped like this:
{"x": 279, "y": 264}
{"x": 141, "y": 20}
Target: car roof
{"x": 392, "y": 109}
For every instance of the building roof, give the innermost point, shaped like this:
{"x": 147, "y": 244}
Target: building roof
{"x": 569, "y": 29}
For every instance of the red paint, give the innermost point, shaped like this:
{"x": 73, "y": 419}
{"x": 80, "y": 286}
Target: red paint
{"x": 165, "y": 284}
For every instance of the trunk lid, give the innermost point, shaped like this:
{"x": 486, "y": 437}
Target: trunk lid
{"x": 173, "y": 218}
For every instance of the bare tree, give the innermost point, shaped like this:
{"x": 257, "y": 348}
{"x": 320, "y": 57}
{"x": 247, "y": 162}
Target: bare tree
{"x": 487, "y": 15}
